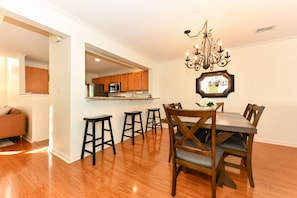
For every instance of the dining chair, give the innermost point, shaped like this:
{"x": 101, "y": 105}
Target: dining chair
{"x": 188, "y": 152}
{"x": 177, "y": 105}
{"x": 242, "y": 146}
{"x": 220, "y": 105}
{"x": 247, "y": 112}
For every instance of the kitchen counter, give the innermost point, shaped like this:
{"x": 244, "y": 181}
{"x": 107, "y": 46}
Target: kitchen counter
{"x": 119, "y": 98}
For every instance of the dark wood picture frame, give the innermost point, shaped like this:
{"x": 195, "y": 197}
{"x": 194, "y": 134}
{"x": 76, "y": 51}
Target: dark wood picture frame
{"x": 215, "y": 84}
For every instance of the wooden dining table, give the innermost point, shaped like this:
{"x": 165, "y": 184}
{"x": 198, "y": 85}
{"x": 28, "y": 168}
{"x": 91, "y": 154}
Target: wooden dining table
{"x": 227, "y": 123}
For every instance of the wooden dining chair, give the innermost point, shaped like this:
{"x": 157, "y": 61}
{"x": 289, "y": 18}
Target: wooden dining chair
{"x": 188, "y": 152}
{"x": 220, "y": 105}
{"x": 247, "y": 112}
{"x": 177, "y": 105}
{"x": 242, "y": 146}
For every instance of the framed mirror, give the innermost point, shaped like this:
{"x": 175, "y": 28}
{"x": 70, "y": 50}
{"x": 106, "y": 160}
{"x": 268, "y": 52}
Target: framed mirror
{"x": 215, "y": 84}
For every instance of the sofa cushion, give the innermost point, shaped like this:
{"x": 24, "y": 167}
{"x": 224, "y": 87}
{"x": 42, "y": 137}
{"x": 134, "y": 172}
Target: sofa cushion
{"x": 4, "y": 110}
{"x": 15, "y": 111}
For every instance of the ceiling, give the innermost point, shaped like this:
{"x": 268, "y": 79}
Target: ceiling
{"x": 155, "y": 28}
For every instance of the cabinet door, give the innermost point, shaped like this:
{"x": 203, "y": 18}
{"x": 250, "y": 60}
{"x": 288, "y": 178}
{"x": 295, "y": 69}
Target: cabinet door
{"x": 115, "y": 78}
{"x": 144, "y": 80}
{"x": 130, "y": 82}
{"x": 137, "y": 78}
{"x": 106, "y": 83}
{"x": 98, "y": 80}
{"x": 36, "y": 80}
{"x": 124, "y": 86}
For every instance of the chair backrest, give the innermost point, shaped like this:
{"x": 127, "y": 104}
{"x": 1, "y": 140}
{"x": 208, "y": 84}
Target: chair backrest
{"x": 256, "y": 114}
{"x": 188, "y": 142}
{"x": 247, "y": 112}
{"x": 177, "y": 105}
{"x": 220, "y": 105}
{"x": 172, "y": 105}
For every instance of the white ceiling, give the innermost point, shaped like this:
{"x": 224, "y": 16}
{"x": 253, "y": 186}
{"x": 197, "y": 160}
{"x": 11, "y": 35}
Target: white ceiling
{"x": 155, "y": 28}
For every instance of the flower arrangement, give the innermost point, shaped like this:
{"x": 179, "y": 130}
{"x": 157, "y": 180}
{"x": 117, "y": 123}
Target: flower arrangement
{"x": 206, "y": 102}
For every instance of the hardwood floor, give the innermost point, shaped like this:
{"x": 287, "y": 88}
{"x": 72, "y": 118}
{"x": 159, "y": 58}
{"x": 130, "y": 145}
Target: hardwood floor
{"x": 142, "y": 170}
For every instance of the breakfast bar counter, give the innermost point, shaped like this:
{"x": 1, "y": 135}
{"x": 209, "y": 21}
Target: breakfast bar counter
{"x": 120, "y": 98}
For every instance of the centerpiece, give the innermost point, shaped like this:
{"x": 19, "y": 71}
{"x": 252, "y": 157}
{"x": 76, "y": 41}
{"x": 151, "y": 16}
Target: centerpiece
{"x": 207, "y": 103}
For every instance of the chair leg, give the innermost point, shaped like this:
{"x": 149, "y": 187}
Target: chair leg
{"x": 94, "y": 143}
{"x": 84, "y": 141}
{"x": 147, "y": 120}
{"x": 111, "y": 135}
{"x": 250, "y": 171}
{"x": 141, "y": 126}
{"x": 160, "y": 122}
{"x": 124, "y": 127}
{"x": 174, "y": 177}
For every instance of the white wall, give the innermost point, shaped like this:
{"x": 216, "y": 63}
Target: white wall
{"x": 264, "y": 74}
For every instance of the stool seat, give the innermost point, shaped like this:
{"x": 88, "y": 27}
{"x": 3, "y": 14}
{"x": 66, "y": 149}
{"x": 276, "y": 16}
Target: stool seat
{"x": 131, "y": 125}
{"x": 98, "y": 118}
{"x": 133, "y": 112}
{"x": 94, "y": 139}
{"x": 153, "y": 119}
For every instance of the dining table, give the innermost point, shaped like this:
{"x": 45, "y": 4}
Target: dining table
{"x": 227, "y": 123}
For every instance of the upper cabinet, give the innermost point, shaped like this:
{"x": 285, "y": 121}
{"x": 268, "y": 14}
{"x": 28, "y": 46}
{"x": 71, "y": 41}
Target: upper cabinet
{"x": 36, "y": 80}
{"x": 141, "y": 80}
{"x": 124, "y": 84}
{"x": 133, "y": 81}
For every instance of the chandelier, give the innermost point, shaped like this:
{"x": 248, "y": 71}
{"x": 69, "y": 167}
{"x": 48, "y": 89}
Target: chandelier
{"x": 208, "y": 54}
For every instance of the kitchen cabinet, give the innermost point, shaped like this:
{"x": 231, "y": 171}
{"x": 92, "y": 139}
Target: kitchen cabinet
{"x": 98, "y": 80}
{"x": 130, "y": 82}
{"x": 141, "y": 80}
{"x": 115, "y": 79}
{"x": 144, "y": 80}
{"x": 36, "y": 80}
{"x": 134, "y": 81}
{"x": 123, "y": 81}
{"x": 106, "y": 83}
{"x": 102, "y": 80}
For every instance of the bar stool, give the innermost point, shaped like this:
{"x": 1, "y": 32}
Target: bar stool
{"x": 151, "y": 121}
{"x": 132, "y": 115}
{"x": 94, "y": 120}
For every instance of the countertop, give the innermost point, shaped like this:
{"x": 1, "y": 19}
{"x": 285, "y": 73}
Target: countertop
{"x": 119, "y": 98}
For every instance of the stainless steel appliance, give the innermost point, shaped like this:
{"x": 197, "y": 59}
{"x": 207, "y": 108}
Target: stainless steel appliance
{"x": 96, "y": 90}
{"x": 114, "y": 87}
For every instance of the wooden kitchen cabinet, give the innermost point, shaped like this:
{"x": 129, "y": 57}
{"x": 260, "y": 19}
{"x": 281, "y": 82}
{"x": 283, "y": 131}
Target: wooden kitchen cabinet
{"x": 36, "y": 80}
{"x": 141, "y": 80}
{"x": 144, "y": 80}
{"x": 115, "y": 78}
{"x": 98, "y": 80}
{"x": 138, "y": 81}
{"x": 130, "y": 82}
{"x": 124, "y": 85}
{"x": 107, "y": 80}
{"x": 134, "y": 81}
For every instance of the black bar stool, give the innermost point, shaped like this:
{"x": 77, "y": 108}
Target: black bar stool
{"x": 153, "y": 119}
{"x": 132, "y": 115}
{"x": 94, "y": 120}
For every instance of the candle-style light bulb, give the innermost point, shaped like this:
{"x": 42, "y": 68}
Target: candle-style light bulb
{"x": 196, "y": 46}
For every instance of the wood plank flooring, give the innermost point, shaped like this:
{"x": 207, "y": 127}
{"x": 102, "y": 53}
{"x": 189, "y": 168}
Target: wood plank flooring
{"x": 142, "y": 170}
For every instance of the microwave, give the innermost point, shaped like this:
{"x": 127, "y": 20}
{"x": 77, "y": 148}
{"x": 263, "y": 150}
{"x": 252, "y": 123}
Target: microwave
{"x": 114, "y": 87}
